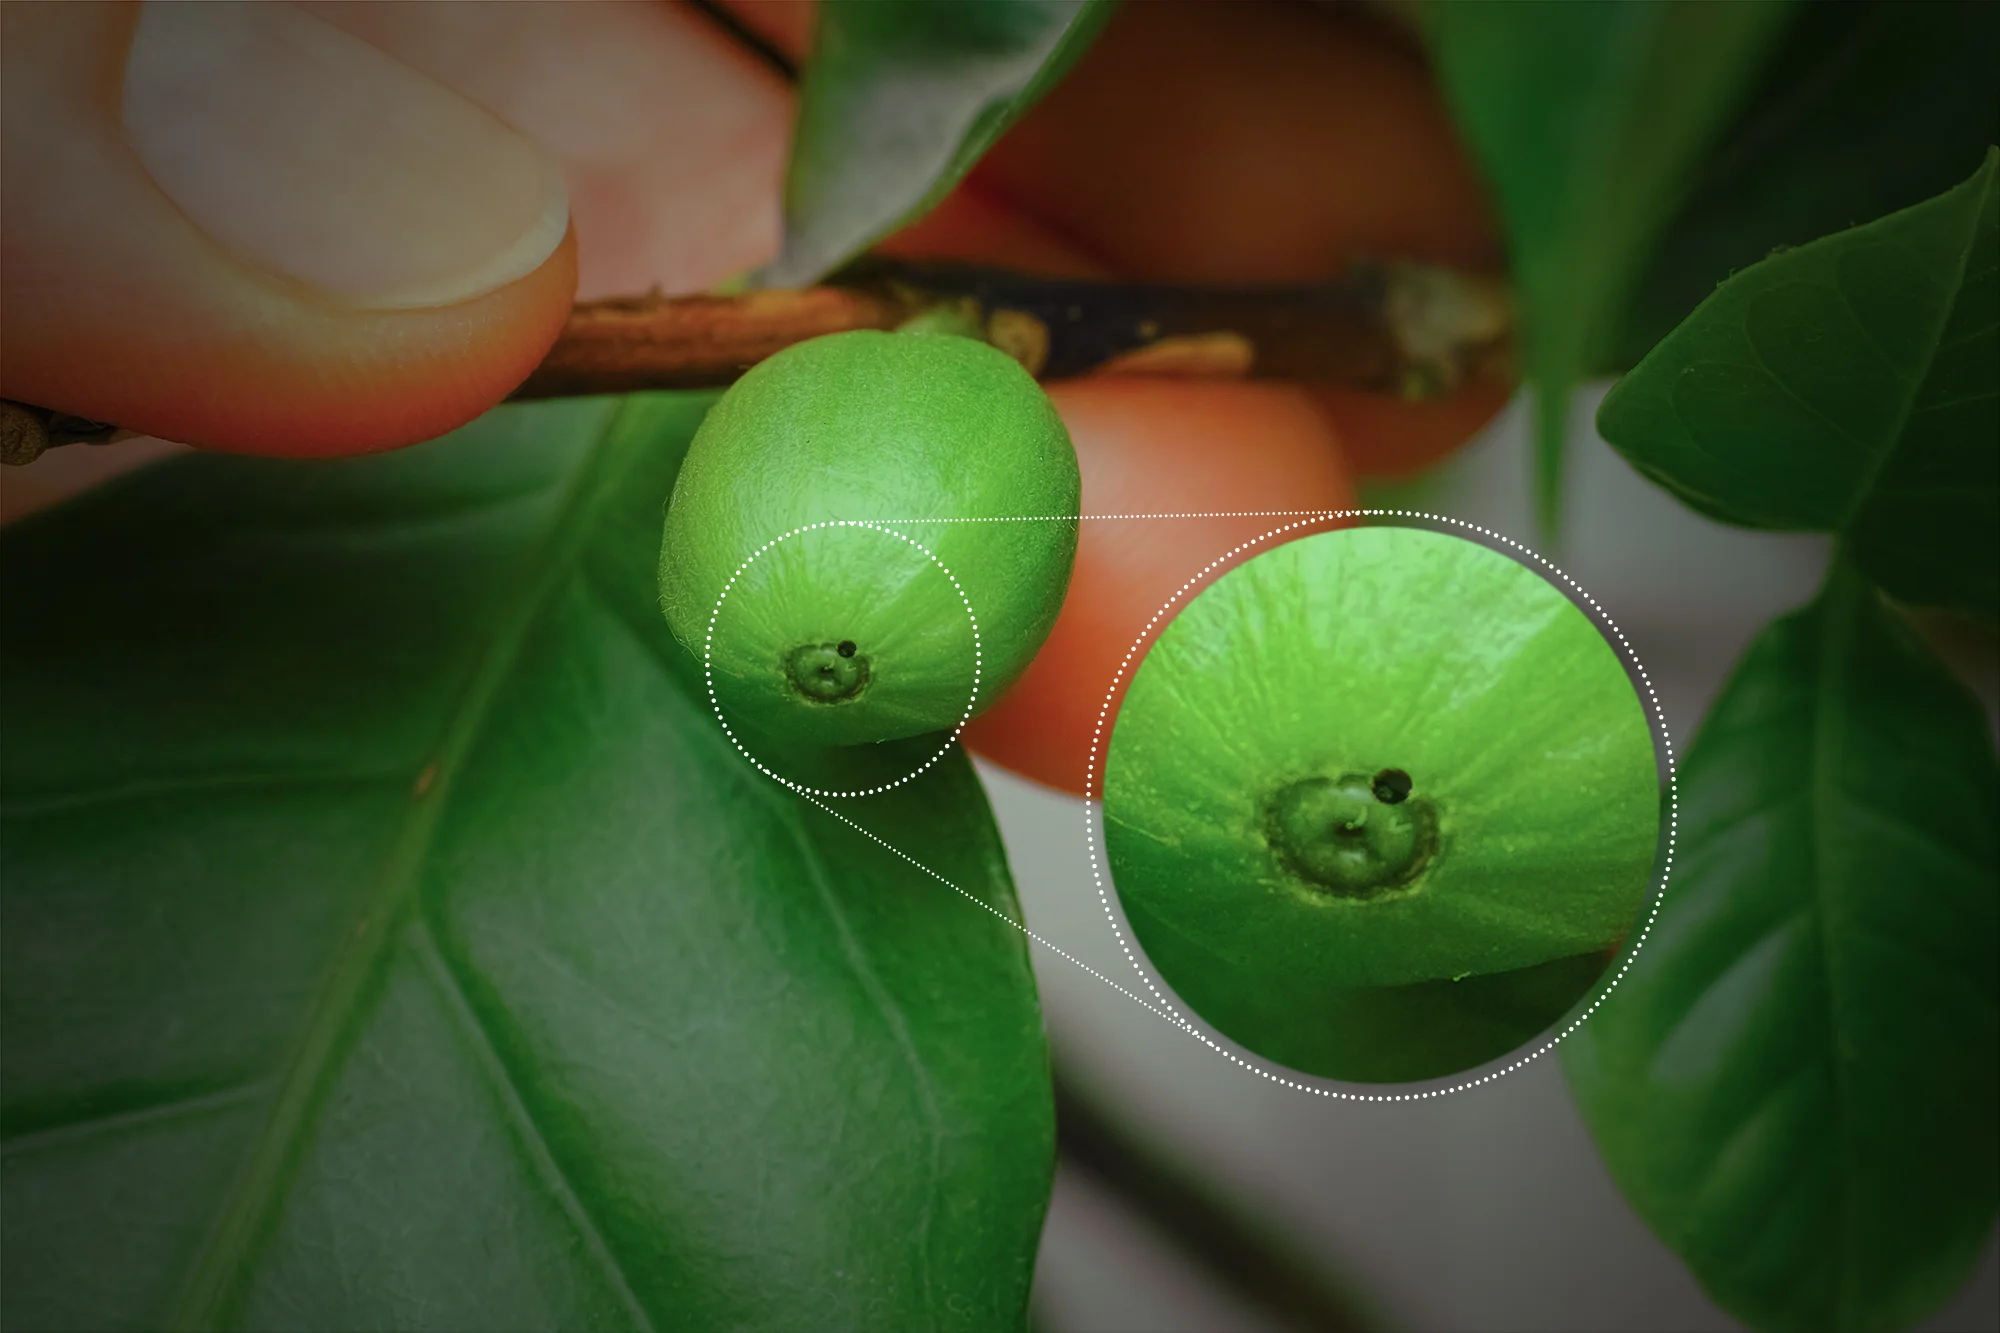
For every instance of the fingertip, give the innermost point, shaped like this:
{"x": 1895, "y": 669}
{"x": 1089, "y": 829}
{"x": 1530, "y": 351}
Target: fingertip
{"x": 1259, "y": 141}
{"x": 371, "y": 382}
{"x": 1389, "y": 439}
{"x": 786, "y": 24}
{"x": 121, "y": 308}
{"x": 274, "y": 375}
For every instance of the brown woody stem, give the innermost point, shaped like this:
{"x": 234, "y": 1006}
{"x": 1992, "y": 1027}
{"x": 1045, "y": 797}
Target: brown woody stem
{"x": 1408, "y": 330}
{"x": 692, "y": 342}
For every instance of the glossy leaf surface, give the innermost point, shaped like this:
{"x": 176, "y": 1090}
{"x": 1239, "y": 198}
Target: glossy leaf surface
{"x": 1795, "y": 1084}
{"x": 1865, "y": 107}
{"x": 899, "y": 100}
{"x": 392, "y": 939}
{"x": 1589, "y": 118}
{"x": 1851, "y": 385}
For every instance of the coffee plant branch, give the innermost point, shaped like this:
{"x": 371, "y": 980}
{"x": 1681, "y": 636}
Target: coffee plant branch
{"x": 1409, "y": 330}
{"x": 1406, "y": 329}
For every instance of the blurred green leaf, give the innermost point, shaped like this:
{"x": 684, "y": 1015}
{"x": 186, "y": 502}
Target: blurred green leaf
{"x": 392, "y": 939}
{"x": 1866, "y": 107}
{"x": 899, "y": 100}
{"x": 1589, "y": 118}
{"x": 1796, "y": 1082}
{"x": 1851, "y": 385}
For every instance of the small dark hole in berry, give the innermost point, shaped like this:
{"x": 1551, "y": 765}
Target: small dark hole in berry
{"x": 1392, "y": 786}
{"x": 845, "y": 648}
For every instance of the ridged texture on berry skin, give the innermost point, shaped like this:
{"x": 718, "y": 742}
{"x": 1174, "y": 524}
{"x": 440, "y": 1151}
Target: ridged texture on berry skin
{"x": 1382, "y": 650}
{"x": 893, "y": 428}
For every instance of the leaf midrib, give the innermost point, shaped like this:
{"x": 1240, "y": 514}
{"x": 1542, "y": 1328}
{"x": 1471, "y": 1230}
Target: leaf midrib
{"x": 215, "y": 1279}
{"x": 790, "y": 817}
{"x": 1828, "y": 740}
{"x": 1900, "y": 430}
{"x": 896, "y": 1021}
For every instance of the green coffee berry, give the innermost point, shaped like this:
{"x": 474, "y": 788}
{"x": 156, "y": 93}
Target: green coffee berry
{"x": 1379, "y": 757}
{"x": 839, "y": 635}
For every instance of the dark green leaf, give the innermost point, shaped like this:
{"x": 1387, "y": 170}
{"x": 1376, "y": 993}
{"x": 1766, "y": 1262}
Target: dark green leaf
{"x": 393, "y": 940}
{"x": 1867, "y": 107}
{"x": 1589, "y": 118}
{"x": 1851, "y": 385}
{"x": 1796, "y": 1083}
{"x": 900, "y": 99}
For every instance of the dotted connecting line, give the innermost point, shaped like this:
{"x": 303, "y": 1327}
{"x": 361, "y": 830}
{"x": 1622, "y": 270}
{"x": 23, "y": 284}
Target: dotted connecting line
{"x": 708, "y": 673}
{"x": 1087, "y": 518}
{"x": 1165, "y": 1008}
{"x": 977, "y": 901}
{"x": 1098, "y": 873}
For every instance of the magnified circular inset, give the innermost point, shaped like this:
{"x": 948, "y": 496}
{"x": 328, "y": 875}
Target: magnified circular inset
{"x": 1381, "y": 804}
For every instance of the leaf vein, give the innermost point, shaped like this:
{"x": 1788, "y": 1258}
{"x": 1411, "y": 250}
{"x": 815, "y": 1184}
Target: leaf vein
{"x": 472, "y": 1026}
{"x": 1955, "y": 289}
{"x": 33, "y": 806}
{"x": 55, "y": 1136}
{"x": 892, "y": 1018}
{"x": 240, "y": 1225}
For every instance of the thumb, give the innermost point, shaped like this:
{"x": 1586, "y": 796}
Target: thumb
{"x": 237, "y": 226}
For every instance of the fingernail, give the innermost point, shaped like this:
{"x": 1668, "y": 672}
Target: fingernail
{"x": 313, "y": 155}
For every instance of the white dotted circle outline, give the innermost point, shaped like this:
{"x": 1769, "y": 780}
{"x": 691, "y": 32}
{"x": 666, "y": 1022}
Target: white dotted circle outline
{"x": 1099, "y": 873}
{"x": 708, "y": 649}
{"x": 1164, "y": 1010}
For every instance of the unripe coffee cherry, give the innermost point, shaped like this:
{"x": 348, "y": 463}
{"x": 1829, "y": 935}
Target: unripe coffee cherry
{"x": 920, "y": 444}
{"x": 1380, "y": 757}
